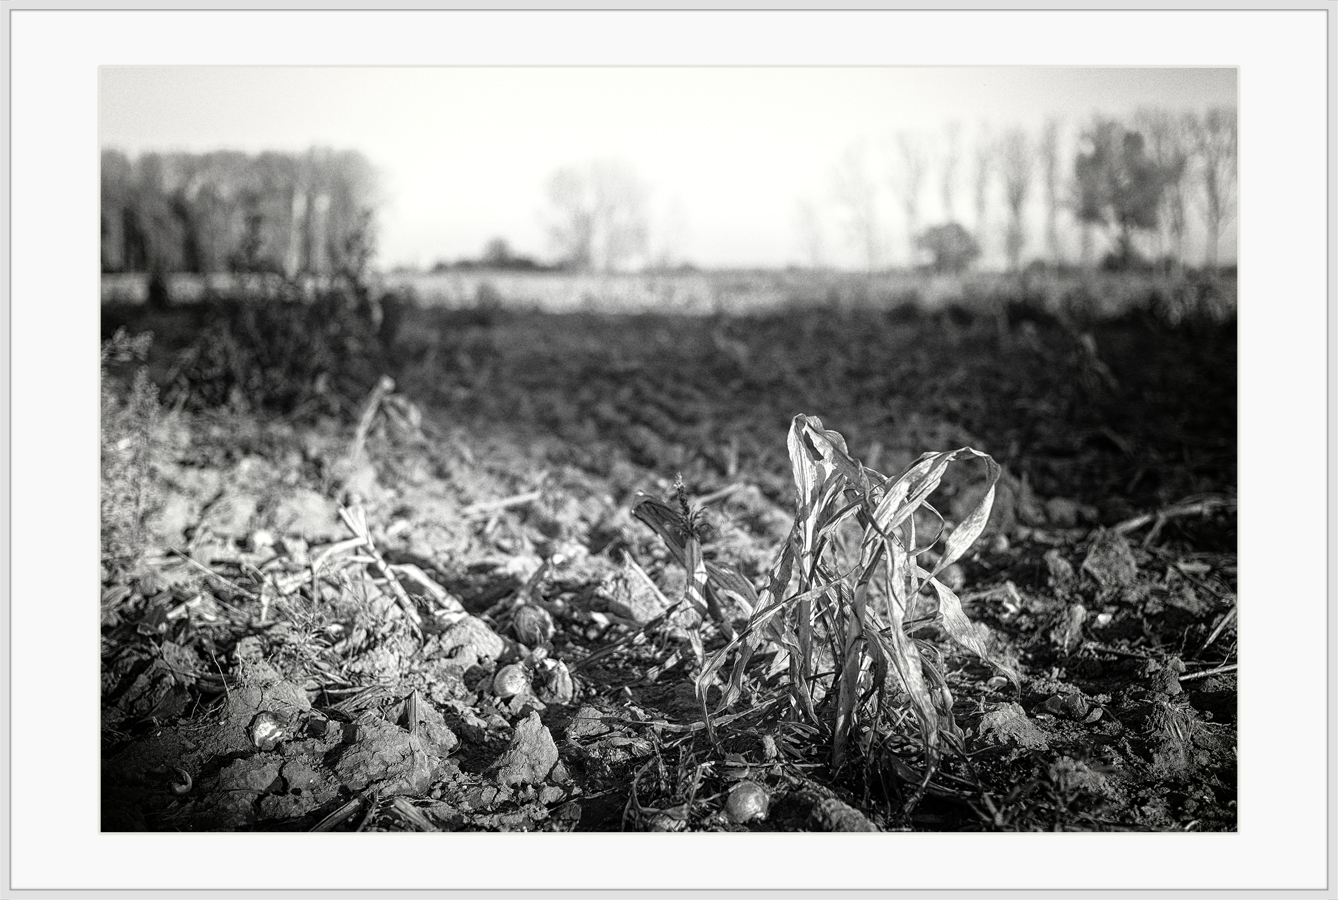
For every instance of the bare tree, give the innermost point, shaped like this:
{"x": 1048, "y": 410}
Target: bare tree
{"x": 1049, "y": 152}
{"x": 809, "y": 226}
{"x": 854, "y": 192}
{"x": 1017, "y": 164}
{"x": 984, "y": 168}
{"x": 1167, "y": 138}
{"x": 1215, "y": 142}
{"x": 952, "y": 155}
{"x": 671, "y": 232}
{"x": 908, "y": 178}
{"x": 599, "y": 214}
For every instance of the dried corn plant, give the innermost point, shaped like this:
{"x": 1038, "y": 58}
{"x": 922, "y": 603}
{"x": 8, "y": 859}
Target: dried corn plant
{"x": 842, "y": 604}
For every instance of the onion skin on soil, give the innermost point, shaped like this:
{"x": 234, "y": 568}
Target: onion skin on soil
{"x": 555, "y": 683}
{"x": 747, "y": 801}
{"x": 510, "y": 681}
{"x": 533, "y": 625}
{"x": 266, "y": 731}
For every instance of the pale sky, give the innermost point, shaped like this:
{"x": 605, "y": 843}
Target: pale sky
{"x": 464, "y": 154}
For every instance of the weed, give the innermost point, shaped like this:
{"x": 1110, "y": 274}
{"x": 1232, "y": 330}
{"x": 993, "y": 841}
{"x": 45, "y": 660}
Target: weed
{"x": 843, "y": 599}
{"x": 1061, "y": 795}
{"x": 285, "y": 355}
{"x": 129, "y": 452}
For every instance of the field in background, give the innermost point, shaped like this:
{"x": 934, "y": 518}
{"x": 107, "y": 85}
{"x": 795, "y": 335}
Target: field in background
{"x": 696, "y": 293}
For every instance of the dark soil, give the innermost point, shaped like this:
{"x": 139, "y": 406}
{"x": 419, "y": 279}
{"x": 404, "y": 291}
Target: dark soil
{"x": 495, "y": 657}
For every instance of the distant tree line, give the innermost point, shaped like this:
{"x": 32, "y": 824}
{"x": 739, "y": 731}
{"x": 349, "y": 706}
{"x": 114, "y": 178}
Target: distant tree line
{"x": 598, "y": 220}
{"x": 293, "y": 214}
{"x": 1139, "y": 184}
{"x": 497, "y": 255}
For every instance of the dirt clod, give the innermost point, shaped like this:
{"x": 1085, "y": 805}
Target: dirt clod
{"x": 389, "y": 757}
{"x": 830, "y": 814}
{"x": 1110, "y": 561}
{"x": 531, "y": 756}
{"x": 1006, "y": 724}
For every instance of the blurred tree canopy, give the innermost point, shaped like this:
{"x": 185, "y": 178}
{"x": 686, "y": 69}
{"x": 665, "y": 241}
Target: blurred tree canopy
{"x": 308, "y": 213}
{"x": 951, "y": 246}
{"x": 1118, "y": 184}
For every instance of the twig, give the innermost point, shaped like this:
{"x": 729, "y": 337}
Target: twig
{"x": 1092, "y": 645}
{"x": 524, "y": 595}
{"x": 696, "y": 726}
{"x": 412, "y": 814}
{"x": 622, "y": 641}
{"x": 635, "y": 635}
{"x": 650, "y": 582}
{"x": 1209, "y": 672}
{"x": 724, "y": 492}
{"x": 356, "y": 521}
{"x": 449, "y": 604}
{"x": 477, "y": 510}
{"x": 336, "y": 818}
{"x": 384, "y": 386}
{"x": 210, "y": 572}
{"x": 1195, "y": 508}
{"x": 372, "y": 805}
{"x": 337, "y": 548}
{"x": 1221, "y": 626}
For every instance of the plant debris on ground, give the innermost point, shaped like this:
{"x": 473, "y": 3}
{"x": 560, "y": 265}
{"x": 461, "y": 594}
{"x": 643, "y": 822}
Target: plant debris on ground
{"x": 385, "y": 567}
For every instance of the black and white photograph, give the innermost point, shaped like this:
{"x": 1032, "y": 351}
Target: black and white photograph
{"x": 474, "y": 451}
{"x": 669, "y": 449}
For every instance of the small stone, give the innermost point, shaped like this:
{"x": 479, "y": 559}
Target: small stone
{"x": 470, "y": 641}
{"x": 588, "y": 723}
{"x": 1110, "y": 561}
{"x": 1063, "y": 512}
{"x": 1060, "y": 569}
{"x": 309, "y": 515}
{"x": 1067, "y": 635}
{"x": 1074, "y": 706}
